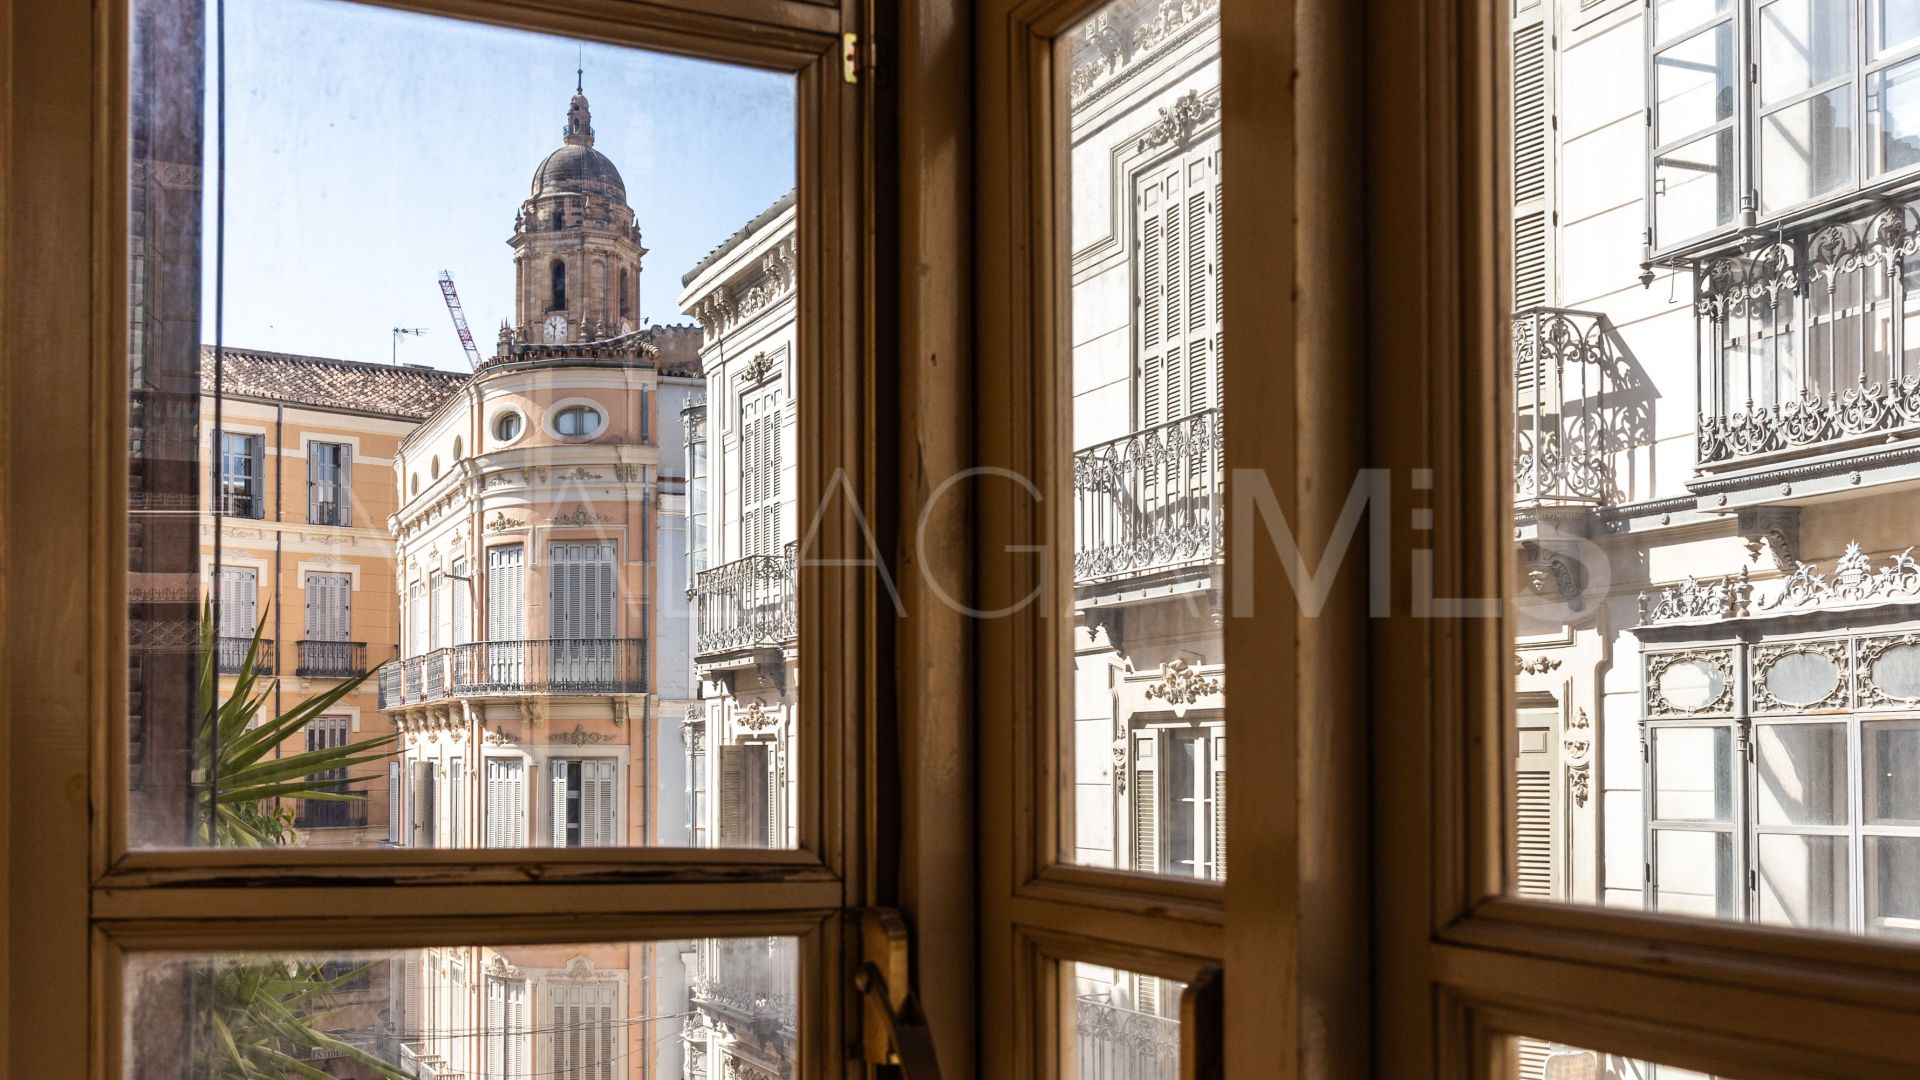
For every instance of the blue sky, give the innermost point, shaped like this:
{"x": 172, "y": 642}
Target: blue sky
{"x": 367, "y": 150}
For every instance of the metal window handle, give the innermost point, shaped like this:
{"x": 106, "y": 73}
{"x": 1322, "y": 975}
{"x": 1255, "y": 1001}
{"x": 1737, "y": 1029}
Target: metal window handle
{"x": 893, "y": 1031}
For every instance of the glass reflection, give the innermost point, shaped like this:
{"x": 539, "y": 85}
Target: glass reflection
{"x": 579, "y": 1012}
{"x": 1121, "y": 1025}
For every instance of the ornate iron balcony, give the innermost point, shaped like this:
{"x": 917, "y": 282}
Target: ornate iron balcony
{"x": 1149, "y": 501}
{"x": 231, "y": 652}
{"x": 502, "y": 668}
{"x": 1573, "y": 407}
{"x": 1121, "y": 1044}
{"x": 1803, "y": 340}
{"x": 744, "y": 604}
{"x": 330, "y": 659}
{"x": 328, "y": 814}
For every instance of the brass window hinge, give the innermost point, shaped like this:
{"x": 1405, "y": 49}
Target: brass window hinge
{"x": 851, "y": 61}
{"x": 892, "y": 1030}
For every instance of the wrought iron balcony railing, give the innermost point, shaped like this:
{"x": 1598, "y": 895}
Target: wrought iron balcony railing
{"x": 744, "y": 604}
{"x": 231, "y": 652}
{"x": 328, "y": 814}
{"x": 330, "y": 659}
{"x": 1803, "y": 340}
{"x": 1149, "y": 501}
{"x": 494, "y": 668}
{"x": 1572, "y": 409}
{"x": 1118, "y": 1043}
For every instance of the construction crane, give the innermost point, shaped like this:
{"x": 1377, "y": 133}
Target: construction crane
{"x": 459, "y": 320}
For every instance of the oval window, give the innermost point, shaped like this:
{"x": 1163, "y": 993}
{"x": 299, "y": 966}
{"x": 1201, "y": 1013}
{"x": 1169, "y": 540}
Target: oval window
{"x": 1896, "y": 672}
{"x": 434, "y": 469}
{"x": 416, "y": 484}
{"x": 506, "y": 426}
{"x": 1802, "y": 678}
{"x": 456, "y": 448}
{"x": 1691, "y": 684}
{"x": 576, "y": 420}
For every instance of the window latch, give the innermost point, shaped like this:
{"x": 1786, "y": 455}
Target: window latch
{"x": 893, "y": 1032}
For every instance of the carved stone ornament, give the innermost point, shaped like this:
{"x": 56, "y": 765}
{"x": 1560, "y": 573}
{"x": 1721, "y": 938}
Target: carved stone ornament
{"x": 1775, "y": 532}
{"x": 580, "y": 736}
{"x": 1181, "y": 685}
{"x": 1178, "y": 120}
{"x": 498, "y": 967}
{"x": 501, "y": 522}
{"x": 579, "y": 969}
{"x": 1535, "y": 665}
{"x": 581, "y": 516}
{"x": 1872, "y": 693}
{"x": 579, "y": 473}
{"x": 1730, "y": 597}
{"x": 626, "y": 474}
{"x": 1717, "y": 661}
{"x": 496, "y": 736}
{"x": 1765, "y": 658}
{"x": 1111, "y": 51}
{"x": 1853, "y": 581}
{"x": 1577, "y": 745}
{"x": 757, "y": 717}
{"x": 1551, "y": 572}
{"x": 757, "y": 369}
{"x": 741, "y": 1070}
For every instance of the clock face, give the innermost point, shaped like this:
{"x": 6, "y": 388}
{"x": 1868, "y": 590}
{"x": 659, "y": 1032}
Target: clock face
{"x": 556, "y": 328}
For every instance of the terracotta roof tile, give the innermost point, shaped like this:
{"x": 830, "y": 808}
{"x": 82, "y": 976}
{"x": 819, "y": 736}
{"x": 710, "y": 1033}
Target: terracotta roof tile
{"x": 408, "y": 393}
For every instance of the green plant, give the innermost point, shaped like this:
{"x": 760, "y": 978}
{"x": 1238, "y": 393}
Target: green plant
{"x": 239, "y": 784}
{"x": 260, "y": 1011}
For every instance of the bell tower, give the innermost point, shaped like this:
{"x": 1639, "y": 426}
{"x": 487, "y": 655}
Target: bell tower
{"x": 576, "y": 246}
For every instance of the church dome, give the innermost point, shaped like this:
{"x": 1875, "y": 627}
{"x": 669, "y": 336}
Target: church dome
{"x": 578, "y": 169}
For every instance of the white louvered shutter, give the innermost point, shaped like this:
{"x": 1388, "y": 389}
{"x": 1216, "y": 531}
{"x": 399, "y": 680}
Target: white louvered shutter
{"x": 393, "y": 803}
{"x": 239, "y": 602}
{"x": 416, "y": 619}
{"x": 506, "y": 807}
{"x": 598, "y": 811}
{"x": 1177, "y": 284}
{"x": 732, "y": 796}
{"x": 442, "y": 600}
{"x": 506, "y": 593}
{"x": 1144, "y": 792}
{"x": 456, "y": 803}
{"x": 1533, "y": 150}
{"x": 496, "y": 1030}
{"x": 462, "y": 586}
{"x": 257, "y": 451}
{"x": 557, "y": 784}
{"x": 317, "y": 494}
{"x": 329, "y": 603}
{"x": 1534, "y": 804}
{"x": 1218, "y": 810}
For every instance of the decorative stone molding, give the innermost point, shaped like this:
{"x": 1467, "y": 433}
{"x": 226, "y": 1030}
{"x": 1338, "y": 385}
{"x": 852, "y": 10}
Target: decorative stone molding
{"x": 496, "y": 736}
{"x": 1718, "y": 660}
{"x": 1853, "y": 581}
{"x": 579, "y": 969}
{"x": 1577, "y": 746}
{"x": 1179, "y": 120}
{"x": 1536, "y": 665}
{"x": 625, "y": 473}
{"x": 1721, "y": 598}
{"x": 1551, "y": 571}
{"x": 581, "y": 516}
{"x": 1764, "y": 658}
{"x": 1774, "y": 530}
{"x": 579, "y": 473}
{"x": 580, "y": 736}
{"x": 757, "y": 369}
{"x": 1872, "y": 694}
{"x": 1181, "y": 685}
{"x": 501, "y": 522}
{"x": 757, "y": 717}
{"x": 1116, "y": 54}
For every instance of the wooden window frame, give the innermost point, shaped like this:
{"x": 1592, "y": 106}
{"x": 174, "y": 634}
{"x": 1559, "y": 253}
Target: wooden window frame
{"x": 1456, "y": 976}
{"x": 93, "y": 901}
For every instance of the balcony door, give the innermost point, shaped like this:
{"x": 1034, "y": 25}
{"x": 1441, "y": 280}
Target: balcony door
{"x": 580, "y": 603}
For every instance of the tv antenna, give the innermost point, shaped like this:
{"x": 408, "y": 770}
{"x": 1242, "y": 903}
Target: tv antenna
{"x": 416, "y": 331}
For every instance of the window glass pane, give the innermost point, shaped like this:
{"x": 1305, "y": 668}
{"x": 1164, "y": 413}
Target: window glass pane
{"x": 1896, "y": 116}
{"x": 1693, "y": 872}
{"x": 606, "y": 1011}
{"x": 1803, "y": 880}
{"x": 1693, "y": 84}
{"x": 1542, "y": 1059}
{"x": 528, "y": 643}
{"x": 1802, "y": 774}
{"x": 1146, "y": 738}
{"x": 1896, "y": 24}
{"x": 1693, "y": 188}
{"x": 1121, "y": 1025}
{"x": 1892, "y": 762}
{"x": 1893, "y": 885}
{"x": 1803, "y": 43}
{"x": 1693, "y": 774}
{"x": 1806, "y": 150}
{"x": 1672, "y": 16}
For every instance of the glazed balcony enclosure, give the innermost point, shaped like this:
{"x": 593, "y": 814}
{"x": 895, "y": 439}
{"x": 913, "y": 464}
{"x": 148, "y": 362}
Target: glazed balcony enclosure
{"x": 1809, "y": 356}
{"x": 514, "y": 668}
{"x": 1147, "y": 508}
{"x": 742, "y": 608}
